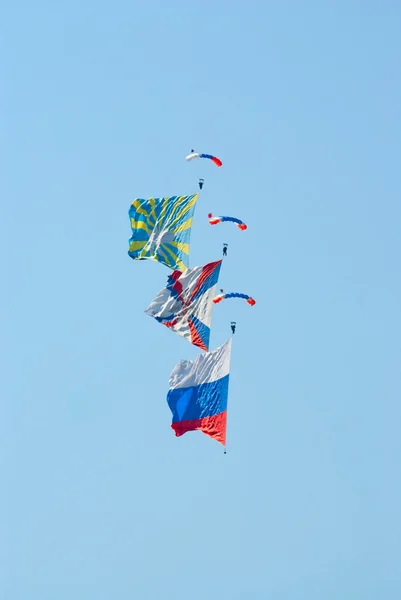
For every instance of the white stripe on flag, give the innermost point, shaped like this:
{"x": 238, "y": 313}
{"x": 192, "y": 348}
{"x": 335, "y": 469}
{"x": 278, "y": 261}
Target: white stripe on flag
{"x": 204, "y": 369}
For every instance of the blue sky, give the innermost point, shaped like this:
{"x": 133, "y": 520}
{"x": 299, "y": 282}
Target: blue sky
{"x": 100, "y": 102}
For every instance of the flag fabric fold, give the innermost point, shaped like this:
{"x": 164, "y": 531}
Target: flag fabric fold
{"x": 185, "y": 305}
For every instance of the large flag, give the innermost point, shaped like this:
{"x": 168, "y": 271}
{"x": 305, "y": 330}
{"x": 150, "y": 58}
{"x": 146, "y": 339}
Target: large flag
{"x": 185, "y": 305}
{"x": 161, "y": 230}
{"x": 198, "y": 393}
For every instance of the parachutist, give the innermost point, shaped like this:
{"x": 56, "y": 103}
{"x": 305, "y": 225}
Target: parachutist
{"x": 221, "y": 291}
{"x": 201, "y": 182}
{"x": 225, "y": 246}
{"x": 192, "y": 150}
{"x": 233, "y": 326}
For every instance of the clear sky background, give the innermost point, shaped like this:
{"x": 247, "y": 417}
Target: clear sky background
{"x": 100, "y": 103}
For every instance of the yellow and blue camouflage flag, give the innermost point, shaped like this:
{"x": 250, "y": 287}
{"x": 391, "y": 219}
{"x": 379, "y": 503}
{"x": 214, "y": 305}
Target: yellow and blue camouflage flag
{"x": 161, "y": 230}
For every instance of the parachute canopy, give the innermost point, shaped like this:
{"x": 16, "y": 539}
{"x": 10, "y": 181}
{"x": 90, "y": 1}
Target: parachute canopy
{"x": 214, "y": 159}
{"x": 221, "y": 297}
{"x": 161, "y": 230}
{"x": 215, "y": 220}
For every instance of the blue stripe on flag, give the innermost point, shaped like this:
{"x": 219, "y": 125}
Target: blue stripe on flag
{"x": 204, "y": 400}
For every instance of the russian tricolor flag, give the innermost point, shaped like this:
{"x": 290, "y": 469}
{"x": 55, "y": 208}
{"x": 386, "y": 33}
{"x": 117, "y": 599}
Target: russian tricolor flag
{"x": 198, "y": 393}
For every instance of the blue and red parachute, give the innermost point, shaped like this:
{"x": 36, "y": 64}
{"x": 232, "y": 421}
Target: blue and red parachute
{"x": 214, "y": 159}
{"x": 215, "y": 220}
{"x": 221, "y": 297}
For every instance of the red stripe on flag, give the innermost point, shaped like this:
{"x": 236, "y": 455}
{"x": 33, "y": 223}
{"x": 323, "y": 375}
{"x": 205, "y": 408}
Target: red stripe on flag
{"x": 196, "y": 339}
{"x": 215, "y": 427}
{"x": 206, "y": 272}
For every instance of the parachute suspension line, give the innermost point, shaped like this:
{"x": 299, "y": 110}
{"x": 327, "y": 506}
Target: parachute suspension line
{"x": 225, "y": 446}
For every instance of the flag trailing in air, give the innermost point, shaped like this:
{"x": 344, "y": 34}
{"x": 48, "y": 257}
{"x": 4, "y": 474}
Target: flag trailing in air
{"x": 185, "y": 305}
{"x": 161, "y": 230}
{"x": 198, "y": 393}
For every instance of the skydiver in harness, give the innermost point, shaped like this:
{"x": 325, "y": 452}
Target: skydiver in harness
{"x": 233, "y": 326}
{"x": 225, "y": 246}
